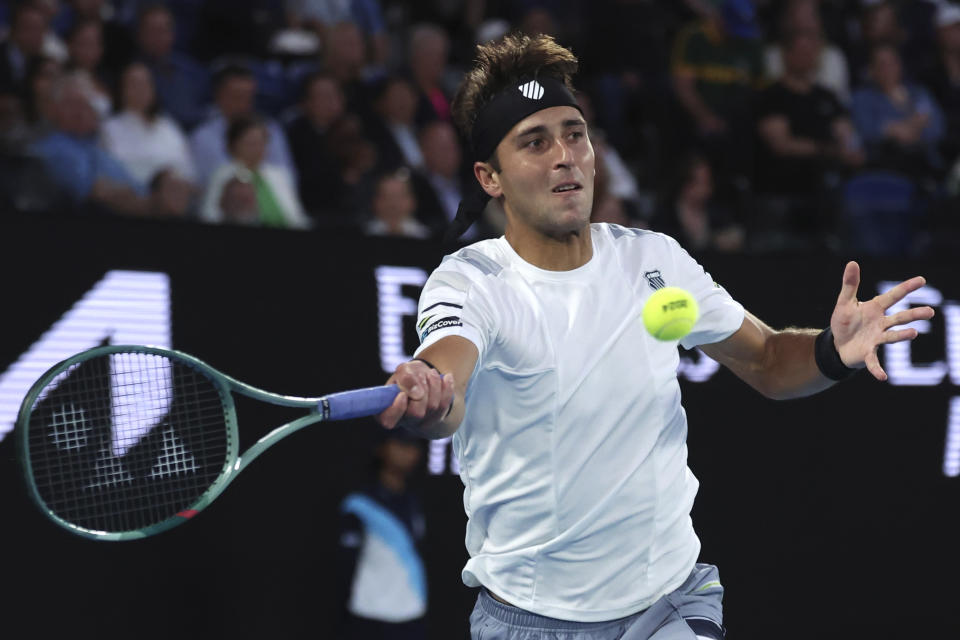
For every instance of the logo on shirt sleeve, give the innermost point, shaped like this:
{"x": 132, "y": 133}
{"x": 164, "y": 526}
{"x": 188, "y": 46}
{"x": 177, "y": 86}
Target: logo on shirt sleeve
{"x": 442, "y": 323}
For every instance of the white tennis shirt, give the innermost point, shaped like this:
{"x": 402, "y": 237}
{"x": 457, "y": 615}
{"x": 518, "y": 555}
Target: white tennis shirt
{"x": 573, "y": 447}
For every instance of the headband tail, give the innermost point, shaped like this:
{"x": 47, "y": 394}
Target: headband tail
{"x": 470, "y": 209}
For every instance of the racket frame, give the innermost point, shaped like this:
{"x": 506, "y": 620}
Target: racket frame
{"x": 235, "y": 462}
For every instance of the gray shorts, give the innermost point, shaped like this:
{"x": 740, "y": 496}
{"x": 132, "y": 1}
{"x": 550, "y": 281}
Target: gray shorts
{"x": 694, "y": 611}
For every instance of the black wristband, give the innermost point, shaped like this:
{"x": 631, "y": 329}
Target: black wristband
{"x": 429, "y": 364}
{"x": 828, "y": 358}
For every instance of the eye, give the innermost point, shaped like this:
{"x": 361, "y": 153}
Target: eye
{"x": 536, "y": 143}
{"x": 576, "y": 135}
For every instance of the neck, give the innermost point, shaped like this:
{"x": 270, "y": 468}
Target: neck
{"x": 393, "y": 480}
{"x": 563, "y": 252}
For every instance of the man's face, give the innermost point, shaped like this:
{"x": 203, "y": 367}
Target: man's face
{"x": 235, "y": 97}
{"x": 803, "y": 53}
{"x": 394, "y": 201}
{"x": 157, "y": 34}
{"x": 324, "y": 103}
{"x": 547, "y": 167}
{"x": 441, "y": 149}
{"x": 74, "y": 115}
{"x": 885, "y": 68}
{"x": 28, "y": 32}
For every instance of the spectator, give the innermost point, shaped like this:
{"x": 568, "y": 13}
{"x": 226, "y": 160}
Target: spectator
{"x": 309, "y": 133}
{"x": 690, "y": 214}
{"x": 118, "y": 45}
{"x": 428, "y": 58}
{"x": 717, "y": 69}
{"x": 25, "y": 41}
{"x": 803, "y": 16}
{"x": 393, "y": 128}
{"x": 85, "y": 47}
{"x": 36, "y": 99}
{"x": 382, "y": 580}
{"x": 235, "y": 88}
{"x": 173, "y": 196}
{"x": 143, "y": 139}
{"x": 900, "y": 124}
{"x": 438, "y": 184}
{"x": 183, "y": 85}
{"x": 88, "y": 175}
{"x": 803, "y": 128}
{"x": 943, "y": 78}
{"x": 366, "y": 15}
{"x": 238, "y": 202}
{"x": 357, "y": 159}
{"x": 247, "y": 140}
{"x": 879, "y": 25}
{"x": 393, "y": 206}
{"x": 345, "y": 58}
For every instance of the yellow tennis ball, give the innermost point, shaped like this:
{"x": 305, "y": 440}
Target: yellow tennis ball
{"x": 670, "y": 313}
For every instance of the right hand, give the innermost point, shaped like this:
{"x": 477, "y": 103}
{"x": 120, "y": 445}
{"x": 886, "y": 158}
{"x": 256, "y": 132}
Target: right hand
{"x": 424, "y": 400}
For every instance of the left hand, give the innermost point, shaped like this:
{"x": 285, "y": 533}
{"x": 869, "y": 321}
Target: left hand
{"x": 860, "y": 327}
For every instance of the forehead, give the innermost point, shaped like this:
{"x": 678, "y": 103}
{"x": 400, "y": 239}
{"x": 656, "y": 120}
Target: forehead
{"x": 551, "y": 117}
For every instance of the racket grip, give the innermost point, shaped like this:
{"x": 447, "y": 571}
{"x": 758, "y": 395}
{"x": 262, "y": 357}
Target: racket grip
{"x": 358, "y": 403}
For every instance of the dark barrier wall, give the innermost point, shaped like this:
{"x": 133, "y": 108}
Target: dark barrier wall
{"x": 829, "y": 517}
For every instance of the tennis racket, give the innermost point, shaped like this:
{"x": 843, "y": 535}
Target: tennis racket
{"x": 124, "y": 441}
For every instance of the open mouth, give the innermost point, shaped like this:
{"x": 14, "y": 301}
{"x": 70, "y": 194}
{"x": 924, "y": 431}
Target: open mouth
{"x": 567, "y": 187}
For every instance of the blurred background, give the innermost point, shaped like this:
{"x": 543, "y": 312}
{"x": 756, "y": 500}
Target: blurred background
{"x": 273, "y": 179}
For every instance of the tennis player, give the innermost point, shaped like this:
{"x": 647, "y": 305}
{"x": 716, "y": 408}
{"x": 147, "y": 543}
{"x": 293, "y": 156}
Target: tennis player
{"x": 565, "y": 413}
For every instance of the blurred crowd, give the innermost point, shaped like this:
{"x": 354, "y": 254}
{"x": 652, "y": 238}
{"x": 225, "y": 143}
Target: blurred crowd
{"x": 734, "y": 125}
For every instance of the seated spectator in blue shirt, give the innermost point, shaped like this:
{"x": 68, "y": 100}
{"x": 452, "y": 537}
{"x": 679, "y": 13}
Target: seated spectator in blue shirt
{"x": 183, "y": 85}
{"x": 235, "y": 88}
{"x": 900, "y": 124}
{"x": 89, "y": 176}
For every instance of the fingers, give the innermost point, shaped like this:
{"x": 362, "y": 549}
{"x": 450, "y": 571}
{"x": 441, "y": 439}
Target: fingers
{"x": 873, "y": 366}
{"x": 898, "y": 336}
{"x": 907, "y": 316}
{"x": 425, "y": 396}
{"x": 899, "y": 292}
{"x": 392, "y": 414}
{"x": 851, "y": 282}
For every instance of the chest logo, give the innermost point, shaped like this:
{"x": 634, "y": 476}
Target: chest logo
{"x": 654, "y": 279}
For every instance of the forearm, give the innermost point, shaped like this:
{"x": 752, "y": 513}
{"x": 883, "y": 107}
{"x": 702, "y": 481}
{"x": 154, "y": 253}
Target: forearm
{"x": 789, "y": 368}
{"x": 778, "y": 364}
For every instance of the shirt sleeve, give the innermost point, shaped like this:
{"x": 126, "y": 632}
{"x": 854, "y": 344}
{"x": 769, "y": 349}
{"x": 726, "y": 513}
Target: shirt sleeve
{"x": 720, "y": 314}
{"x": 453, "y": 304}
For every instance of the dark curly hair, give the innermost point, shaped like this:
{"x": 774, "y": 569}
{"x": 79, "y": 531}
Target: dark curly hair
{"x": 501, "y": 63}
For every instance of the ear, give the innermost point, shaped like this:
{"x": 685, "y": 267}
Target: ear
{"x": 488, "y": 178}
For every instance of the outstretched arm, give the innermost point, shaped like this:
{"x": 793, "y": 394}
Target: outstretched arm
{"x": 781, "y": 364}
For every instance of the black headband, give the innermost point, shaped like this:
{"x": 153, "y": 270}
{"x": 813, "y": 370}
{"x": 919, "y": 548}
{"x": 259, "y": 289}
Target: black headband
{"x": 494, "y": 122}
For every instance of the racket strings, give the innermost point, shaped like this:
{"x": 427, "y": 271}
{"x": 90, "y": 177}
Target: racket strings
{"x": 124, "y": 441}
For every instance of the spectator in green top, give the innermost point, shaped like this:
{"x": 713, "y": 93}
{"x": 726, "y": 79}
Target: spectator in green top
{"x": 717, "y": 68}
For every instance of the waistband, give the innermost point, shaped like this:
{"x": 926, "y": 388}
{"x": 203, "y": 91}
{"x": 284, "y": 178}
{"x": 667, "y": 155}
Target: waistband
{"x": 510, "y": 615}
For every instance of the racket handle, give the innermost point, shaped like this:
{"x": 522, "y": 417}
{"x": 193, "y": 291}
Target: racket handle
{"x": 358, "y": 403}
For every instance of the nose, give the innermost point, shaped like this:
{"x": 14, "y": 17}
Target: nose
{"x": 564, "y": 154}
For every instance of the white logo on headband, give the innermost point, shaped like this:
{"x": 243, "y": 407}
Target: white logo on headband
{"x": 532, "y": 90}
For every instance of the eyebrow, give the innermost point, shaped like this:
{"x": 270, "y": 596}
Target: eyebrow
{"x": 573, "y": 122}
